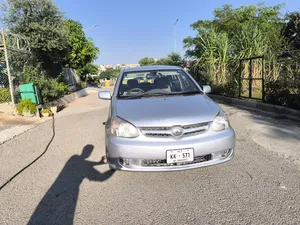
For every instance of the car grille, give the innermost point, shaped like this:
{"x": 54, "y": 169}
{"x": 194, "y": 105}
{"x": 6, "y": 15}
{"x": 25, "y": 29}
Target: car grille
{"x": 191, "y": 129}
{"x": 163, "y": 162}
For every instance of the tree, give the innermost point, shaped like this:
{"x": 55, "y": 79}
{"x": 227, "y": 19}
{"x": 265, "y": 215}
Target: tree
{"x": 292, "y": 30}
{"x": 173, "y": 59}
{"x": 110, "y": 73}
{"x": 43, "y": 24}
{"x": 146, "y": 61}
{"x": 82, "y": 51}
{"x": 162, "y": 61}
{"x": 89, "y": 69}
{"x": 244, "y": 25}
{"x": 231, "y": 20}
{"x": 50, "y": 88}
{"x": 232, "y": 34}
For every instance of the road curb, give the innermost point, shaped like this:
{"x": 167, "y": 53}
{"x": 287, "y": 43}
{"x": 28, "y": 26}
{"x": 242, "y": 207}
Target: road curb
{"x": 11, "y": 133}
{"x": 276, "y": 109}
{"x": 65, "y": 100}
{"x": 76, "y": 95}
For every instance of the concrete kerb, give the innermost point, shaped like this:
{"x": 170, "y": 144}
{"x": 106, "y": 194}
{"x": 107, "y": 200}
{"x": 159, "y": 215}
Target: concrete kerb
{"x": 62, "y": 102}
{"x": 13, "y": 132}
{"x": 269, "y": 108}
{"x": 72, "y": 97}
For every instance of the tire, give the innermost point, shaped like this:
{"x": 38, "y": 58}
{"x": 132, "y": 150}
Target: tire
{"x": 111, "y": 168}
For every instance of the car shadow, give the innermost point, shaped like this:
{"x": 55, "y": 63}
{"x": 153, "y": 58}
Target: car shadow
{"x": 59, "y": 203}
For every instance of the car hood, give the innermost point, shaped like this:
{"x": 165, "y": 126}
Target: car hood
{"x": 167, "y": 111}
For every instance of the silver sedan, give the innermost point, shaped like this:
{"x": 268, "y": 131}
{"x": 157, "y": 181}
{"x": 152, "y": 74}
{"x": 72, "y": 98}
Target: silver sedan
{"x": 160, "y": 119}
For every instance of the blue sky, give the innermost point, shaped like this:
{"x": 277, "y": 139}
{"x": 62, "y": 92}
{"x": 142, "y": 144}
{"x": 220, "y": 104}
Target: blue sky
{"x": 131, "y": 29}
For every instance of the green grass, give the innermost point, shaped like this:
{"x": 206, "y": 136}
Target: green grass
{"x": 255, "y": 94}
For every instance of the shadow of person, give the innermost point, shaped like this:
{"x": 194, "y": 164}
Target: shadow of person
{"x": 59, "y": 203}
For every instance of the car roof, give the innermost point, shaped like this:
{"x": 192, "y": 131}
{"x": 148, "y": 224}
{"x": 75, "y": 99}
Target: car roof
{"x": 143, "y": 68}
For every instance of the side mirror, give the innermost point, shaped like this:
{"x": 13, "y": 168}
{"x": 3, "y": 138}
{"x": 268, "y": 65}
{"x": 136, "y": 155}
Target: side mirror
{"x": 105, "y": 95}
{"x": 206, "y": 89}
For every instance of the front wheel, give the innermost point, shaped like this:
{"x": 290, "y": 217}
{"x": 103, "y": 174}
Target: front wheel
{"x": 111, "y": 168}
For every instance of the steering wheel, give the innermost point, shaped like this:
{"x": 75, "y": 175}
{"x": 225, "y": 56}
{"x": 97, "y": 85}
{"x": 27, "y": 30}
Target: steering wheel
{"x": 136, "y": 89}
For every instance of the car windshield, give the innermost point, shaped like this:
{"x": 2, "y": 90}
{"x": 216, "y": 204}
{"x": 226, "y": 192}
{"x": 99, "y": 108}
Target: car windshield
{"x": 156, "y": 83}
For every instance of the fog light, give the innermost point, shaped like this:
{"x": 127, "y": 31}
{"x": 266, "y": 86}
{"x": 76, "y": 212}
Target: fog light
{"x": 126, "y": 162}
{"x": 225, "y": 153}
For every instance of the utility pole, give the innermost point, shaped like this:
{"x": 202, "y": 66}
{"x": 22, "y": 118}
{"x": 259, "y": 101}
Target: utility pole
{"x": 175, "y": 35}
{"x": 11, "y": 85}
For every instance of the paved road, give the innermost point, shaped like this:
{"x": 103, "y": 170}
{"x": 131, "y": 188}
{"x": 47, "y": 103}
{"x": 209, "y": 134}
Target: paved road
{"x": 70, "y": 184}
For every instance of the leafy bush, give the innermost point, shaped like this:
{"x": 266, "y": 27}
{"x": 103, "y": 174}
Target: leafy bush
{"x": 96, "y": 81}
{"x": 293, "y": 101}
{"x": 80, "y": 85}
{"x": 4, "y": 95}
{"x": 217, "y": 89}
{"x": 26, "y": 106}
{"x": 279, "y": 93}
{"x": 47, "y": 111}
{"x": 51, "y": 88}
{"x": 201, "y": 78}
{"x": 228, "y": 88}
{"x": 231, "y": 89}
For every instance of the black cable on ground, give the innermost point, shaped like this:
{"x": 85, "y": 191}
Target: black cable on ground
{"x": 49, "y": 143}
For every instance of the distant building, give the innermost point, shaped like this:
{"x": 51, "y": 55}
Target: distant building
{"x": 101, "y": 68}
{"x": 129, "y": 65}
{"x": 108, "y": 66}
{"x": 133, "y": 65}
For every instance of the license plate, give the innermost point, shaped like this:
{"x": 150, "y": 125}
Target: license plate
{"x": 180, "y": 155}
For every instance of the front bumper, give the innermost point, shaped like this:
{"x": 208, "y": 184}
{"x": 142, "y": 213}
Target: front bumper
{"x": 130, "y": 154}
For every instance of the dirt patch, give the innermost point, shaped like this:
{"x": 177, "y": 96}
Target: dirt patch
{"x": 7, "y": 121}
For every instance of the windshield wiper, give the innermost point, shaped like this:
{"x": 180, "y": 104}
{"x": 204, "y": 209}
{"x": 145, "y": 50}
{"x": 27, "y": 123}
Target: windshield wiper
{"x": 186, "y": 93}
{"x": 130, "y": 96}
{"x": 161, "y": 94}
{"x": 145, "y": 95}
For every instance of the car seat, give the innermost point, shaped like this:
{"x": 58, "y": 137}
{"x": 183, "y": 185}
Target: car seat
{"x": 163, "y": 83}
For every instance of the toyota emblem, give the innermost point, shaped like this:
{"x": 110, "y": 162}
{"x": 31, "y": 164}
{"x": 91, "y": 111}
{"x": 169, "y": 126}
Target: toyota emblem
{"x": 177, "y": 131}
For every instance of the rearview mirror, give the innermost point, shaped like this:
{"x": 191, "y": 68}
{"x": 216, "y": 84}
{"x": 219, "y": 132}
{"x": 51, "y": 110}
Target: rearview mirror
{"x": 206, "y": 89}
{"x": 105, "y": 95}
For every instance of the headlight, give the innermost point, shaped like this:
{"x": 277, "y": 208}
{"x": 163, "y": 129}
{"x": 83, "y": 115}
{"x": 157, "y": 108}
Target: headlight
{"x": 121, "y": 128}
{"x": 221, "y": 122}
